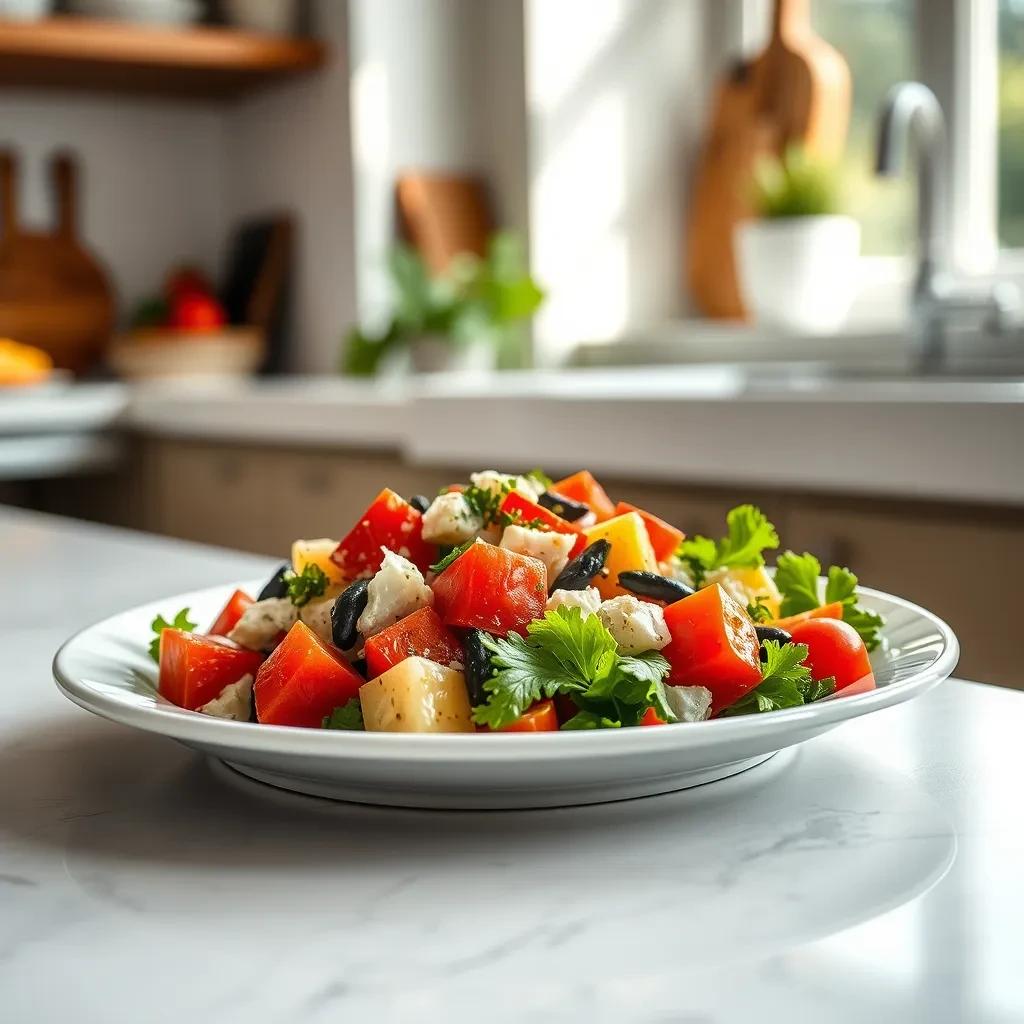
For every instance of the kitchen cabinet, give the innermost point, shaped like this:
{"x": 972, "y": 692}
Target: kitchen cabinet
{"x": 962, "y": 564}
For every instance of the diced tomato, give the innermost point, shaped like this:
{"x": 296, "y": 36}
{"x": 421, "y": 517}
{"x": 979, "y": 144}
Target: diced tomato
{"x": 542, "y": 717}
{"x": 525, "y": 511}
{"x": 835, "y": 648}
{"x": 826, "y": 611}
{"x": 231, "y": 613}
{"x": 389, "y": 522}
{"x": 422, "y": 633}
{"x": 195, "y": 668}
{"x": 665, "y": 538}
{"x": 651, "y": 717}
{"x": 583, "y": 487}
{"x": 491, "y": 588}
{"x": 714, "y": 645}
{"x": 303, "y": 681}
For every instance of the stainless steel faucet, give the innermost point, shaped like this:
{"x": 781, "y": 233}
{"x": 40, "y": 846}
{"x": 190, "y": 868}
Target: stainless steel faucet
{"x": 912, "y": 111}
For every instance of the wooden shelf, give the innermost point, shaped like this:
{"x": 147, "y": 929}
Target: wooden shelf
{"x": 193, "y": 61}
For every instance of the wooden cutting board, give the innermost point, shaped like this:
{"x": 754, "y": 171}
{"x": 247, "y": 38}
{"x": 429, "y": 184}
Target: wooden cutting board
{"x": 53, "y": 293}
{"x": 797, "y": 91}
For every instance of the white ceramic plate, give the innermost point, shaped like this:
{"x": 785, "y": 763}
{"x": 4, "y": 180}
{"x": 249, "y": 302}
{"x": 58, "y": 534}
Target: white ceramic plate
{"x": 106, "y": 669}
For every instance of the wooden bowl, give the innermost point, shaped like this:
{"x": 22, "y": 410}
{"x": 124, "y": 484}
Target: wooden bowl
{"x": 167, "y": 353}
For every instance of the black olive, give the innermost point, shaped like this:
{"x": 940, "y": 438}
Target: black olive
{"x": 275, "y": 586}
{"x": 420, "y": 502}
{"x": 351, "y": 603}
{"x": 583, "y": 568}
{"x": 360, "y": 666}
{"x": 771, "y": 633}
{"x": 563, "y": 507}
{"x": 650, "y": 584}
{"x": 478, "y": 666}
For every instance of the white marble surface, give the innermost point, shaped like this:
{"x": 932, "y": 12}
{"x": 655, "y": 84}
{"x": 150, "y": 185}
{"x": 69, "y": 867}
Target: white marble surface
{"x": 874, "y": 875}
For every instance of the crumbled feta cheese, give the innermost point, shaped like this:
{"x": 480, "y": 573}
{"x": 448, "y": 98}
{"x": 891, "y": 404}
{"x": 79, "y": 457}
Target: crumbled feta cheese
{"x": 690, "y": 703}
{"x": 588, "y": 600}
{"x": 674, "y": 569}
{"x": 636, "y": 625}
{"x": 234, "y": 701}
{"x": 550, "y": 547}
{"x": 449, "y": 520}
{"x": 747, "y": 586}
{"x": 317, "y": 615}
{"x": 395, "y": 591}
{"x": 261, "y": 623}
{"x": 495, "y": 482}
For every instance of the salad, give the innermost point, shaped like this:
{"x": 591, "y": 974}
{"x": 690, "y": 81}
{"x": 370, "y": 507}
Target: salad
{"x": 518, "y": 604}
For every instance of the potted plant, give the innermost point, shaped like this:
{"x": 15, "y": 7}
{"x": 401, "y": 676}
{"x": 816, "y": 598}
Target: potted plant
{"x": 470, "y": 317}
{"x": 798, "y": 259}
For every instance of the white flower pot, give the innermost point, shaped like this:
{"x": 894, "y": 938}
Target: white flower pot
{"x": 798, "y": 273}
{"x": 439, "y": 355}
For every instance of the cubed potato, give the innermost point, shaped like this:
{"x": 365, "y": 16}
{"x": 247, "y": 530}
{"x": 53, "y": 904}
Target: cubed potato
{"x": 631, "y": 550}
{"x": 417, "y": 695}
{"x": 747, "y": 586}
{"x": 318, "y": 553}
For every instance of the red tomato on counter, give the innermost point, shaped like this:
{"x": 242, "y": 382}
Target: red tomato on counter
{"x": 195, "y": 668}
{"x": 191, "y": 311}
{"x": 422, "y": 634}
{"x": 583, "y": 487}
{"x": 714, "y": 645}
{"x": 665, "y": 538}
{"x": 389, "y": 522}
{"x": 835, "y": 648}
{"x": 303, "y": 681}
{"x": 493, "y": 589}
{"x": 230, "y": 613}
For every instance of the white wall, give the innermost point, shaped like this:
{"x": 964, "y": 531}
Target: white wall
{"x": 288, "y": 149}
{"x": 151, "y": 180}
{"x": 616, "y": 100}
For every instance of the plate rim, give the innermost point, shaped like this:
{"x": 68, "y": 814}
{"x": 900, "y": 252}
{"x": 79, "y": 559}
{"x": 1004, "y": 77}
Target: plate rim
{"x": 169, "y": 720}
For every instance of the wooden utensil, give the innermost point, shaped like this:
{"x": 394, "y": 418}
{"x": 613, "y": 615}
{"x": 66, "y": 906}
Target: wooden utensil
{"x": 443, "y": 215}
{"x": 797, "y": 91}
{"x": 53, "y": 293}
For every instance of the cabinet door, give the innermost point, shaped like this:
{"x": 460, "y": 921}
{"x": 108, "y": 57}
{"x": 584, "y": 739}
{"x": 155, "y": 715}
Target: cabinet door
{"x": 961, "y": 566}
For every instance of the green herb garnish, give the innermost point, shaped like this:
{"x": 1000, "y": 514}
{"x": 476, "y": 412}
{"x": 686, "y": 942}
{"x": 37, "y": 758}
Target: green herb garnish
{"x": 303, "y": 586}
{"x": 159, "y": 624}
{"x": 750, "y": 533}
{"x": 569, "y": 654}
{"x": 786, "y": 682}
{"x": 796, "y": 576}
{"x": 439, "y": 567}
{"x": 348, "y": 716}
{"x": 759, "y": 611}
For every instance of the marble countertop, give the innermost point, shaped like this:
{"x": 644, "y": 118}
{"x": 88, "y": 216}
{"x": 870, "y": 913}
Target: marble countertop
{"x": 730, "y": 425}
{"x": 874, "y": 874}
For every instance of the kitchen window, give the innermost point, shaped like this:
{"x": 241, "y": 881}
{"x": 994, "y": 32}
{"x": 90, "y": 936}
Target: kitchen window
{"x": 971, "y": 54}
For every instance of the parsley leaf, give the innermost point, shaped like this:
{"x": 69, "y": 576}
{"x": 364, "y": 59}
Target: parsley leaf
{"x": 348, "y": 716}
{"x": 569, "y": 654}
{"x": 796, "y": 576}
{"x": 159, "y": 624}
{"x": 786, "y": 682}
{"x": 842, "y": 586}
{"x": 540, "y": 478}
{"x": 759, "y": 611}
{"x": 303, "y": 586}
{"x": 484, "y": 502}
{"x": 439, "y": 567}
{"x": 750, "y": 533}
